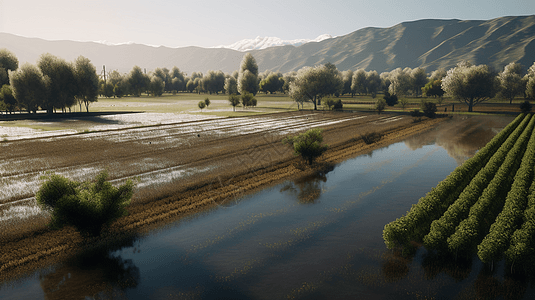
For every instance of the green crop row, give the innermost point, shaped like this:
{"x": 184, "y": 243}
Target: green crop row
{"x": 445, "y": 226}
{"x": 510, "y": 218}
{"x": 483, "y": 213}
{"x": 521, "y": 247}
{"x": 416, "y": 223}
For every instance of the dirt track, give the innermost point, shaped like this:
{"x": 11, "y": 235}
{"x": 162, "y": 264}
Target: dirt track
{"x": 181, "y": 169}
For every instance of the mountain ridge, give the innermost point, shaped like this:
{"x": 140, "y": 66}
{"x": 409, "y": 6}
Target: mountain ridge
{"x": 428, "y": 43}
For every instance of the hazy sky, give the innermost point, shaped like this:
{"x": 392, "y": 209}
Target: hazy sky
{"x": 221, "y": 22}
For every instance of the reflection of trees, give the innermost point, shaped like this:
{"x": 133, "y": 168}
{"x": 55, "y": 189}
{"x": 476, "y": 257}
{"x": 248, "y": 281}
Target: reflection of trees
{"x": 93, "y": 272}
{"x": 487, "y": 286}
{"x": 434, "y": 264}
{"x": 461, "y": 137}
{"x": 307, "y": 189}
{"x": 395, "y": 266}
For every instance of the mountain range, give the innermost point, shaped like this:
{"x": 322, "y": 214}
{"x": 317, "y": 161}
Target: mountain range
{"x": 430, "y": 43}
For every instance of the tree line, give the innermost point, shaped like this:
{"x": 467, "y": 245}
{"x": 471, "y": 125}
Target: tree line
{"x": 56, "y": 84}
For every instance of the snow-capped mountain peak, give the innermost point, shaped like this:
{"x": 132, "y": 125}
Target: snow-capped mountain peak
{"x": 266, "y": 42}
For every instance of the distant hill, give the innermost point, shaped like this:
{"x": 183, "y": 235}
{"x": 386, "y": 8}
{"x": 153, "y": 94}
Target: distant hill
{"x": 424, "y": 43}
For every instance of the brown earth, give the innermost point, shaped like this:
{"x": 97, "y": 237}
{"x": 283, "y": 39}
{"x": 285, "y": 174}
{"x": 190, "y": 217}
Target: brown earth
{"x": 232, "y": 158}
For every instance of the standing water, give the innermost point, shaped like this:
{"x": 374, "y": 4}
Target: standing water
{"x": 318, "y": 237}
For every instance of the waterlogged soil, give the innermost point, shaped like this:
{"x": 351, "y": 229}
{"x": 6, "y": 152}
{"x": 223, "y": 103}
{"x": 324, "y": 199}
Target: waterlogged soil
{"x": 179, "y": 170}
{"x": 315, "y": 235}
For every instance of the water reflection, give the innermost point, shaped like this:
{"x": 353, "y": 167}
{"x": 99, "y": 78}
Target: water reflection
{"x": 395, "y": 266}
{"x": 308, "y": 189}
{"x": 94, "y": 273}
{"x": 462, "y": 136}
{"x": 457, "y": 268}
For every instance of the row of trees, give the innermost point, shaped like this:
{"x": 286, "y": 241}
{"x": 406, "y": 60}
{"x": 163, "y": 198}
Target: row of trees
{"x": 57, "y": 84}
{"x": 53, "y": 84}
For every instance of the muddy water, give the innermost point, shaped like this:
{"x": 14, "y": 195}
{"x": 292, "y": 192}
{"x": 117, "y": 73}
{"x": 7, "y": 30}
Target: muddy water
{"x": 317, "y": 237}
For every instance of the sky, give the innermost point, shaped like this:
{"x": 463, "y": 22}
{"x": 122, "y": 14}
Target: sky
{"x": 207, "y": 23}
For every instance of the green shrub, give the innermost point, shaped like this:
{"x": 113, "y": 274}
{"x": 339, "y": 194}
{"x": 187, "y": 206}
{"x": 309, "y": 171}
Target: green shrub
{"x": 88, "y": 206}
{"x": 390, "y": 100}
{"x": 207, "y": 102}
{"x": 380, "y": 105}
{"x": 429, "y": 109}
{"x": 338, "y": 105}
{"x": 202, "y": 105}
{"x": 416, "y": 113}
{"x": 307, "y": 144}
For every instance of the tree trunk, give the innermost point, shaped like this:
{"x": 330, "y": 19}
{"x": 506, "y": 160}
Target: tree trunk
{"x": 314, "y": 100}
{"x": 471, "y": 104}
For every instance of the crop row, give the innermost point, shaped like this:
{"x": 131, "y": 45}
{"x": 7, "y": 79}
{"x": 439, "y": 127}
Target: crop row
{"x": 483, "y": 213}
{"x": 417, "y": 222}
{"x": 445, "y": 226}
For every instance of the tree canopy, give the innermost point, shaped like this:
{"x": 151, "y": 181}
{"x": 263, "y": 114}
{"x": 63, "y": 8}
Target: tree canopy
{"x": 470, "y": 84}
{"x": 248, "y": 75}
{"x": 313, "y": 83}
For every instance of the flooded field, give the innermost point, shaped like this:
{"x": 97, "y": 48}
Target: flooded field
{"x": 314, "y": 237}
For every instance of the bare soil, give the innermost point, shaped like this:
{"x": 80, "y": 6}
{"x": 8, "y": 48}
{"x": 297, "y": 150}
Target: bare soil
{"x": 181, "y": 169}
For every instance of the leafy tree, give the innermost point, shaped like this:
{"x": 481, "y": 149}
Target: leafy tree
{"x": 7, "y": 98}
{"x": 201, "y": 105}
{"x": 288, "y": 79}
{"x": 380, "y": 105}
{"x": 390, "y": 100}
{"x": 234, "y": 101}
{"x": 359, "y": 84}
{"x": 87, "y": 80}
{"x": 191, "y": 86}
{"x": 338, "y": 105}
{"x": 438, "y": 74}
{"x": 308, "y": 144}
{"x": 470, "y": 84}
{"x": 511, "y": 83}
{"x": 231, "y": 85}
{"x": 29, "y": 87}
{"x": 529, "y": 79}
{"x": 62, "y": 84}
{"x": 107, "y": 90}
{"x": 156, "y": 86}
{"x": 207, "y": 102}
{"x": 433, "y": 88}
{"x": 214, "y": 82}
{"x": 248, "y": 99}
{"x": 373, "y": 82}
{"x": 400, "y": 82}
{"x": 248, "y": 75}
{"x": 329, "y": 102}
{"x": 272, "y": 83}
{"x": 418, "y": 79}
{"x": 138, "y": 81}
{"x": 313, "y": 83}
{"x": 403, "y": 102}
{"x": 8, "y": 62}
{"x": 178, "y": 82}
{"x": 88, "y": 206}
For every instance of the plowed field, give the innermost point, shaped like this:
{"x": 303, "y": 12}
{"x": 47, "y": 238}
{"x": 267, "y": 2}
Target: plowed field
{"x": 179, "y": 169}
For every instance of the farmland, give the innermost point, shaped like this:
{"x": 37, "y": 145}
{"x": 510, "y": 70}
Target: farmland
{"x": 485, "y": 206}
{"x": 179, "y": 168}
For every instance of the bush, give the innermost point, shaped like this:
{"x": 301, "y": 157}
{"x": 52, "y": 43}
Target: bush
{"x": 329, "y": 102}
{"x": 371, "y": 137}
{"x": 202, "y": 105}
{"x": 248, "y": 99}
{"x": 429, "y": 109}
{"x": 525, "y": 107}
{"x": 234, "y": 101}
{"x": 391, "y": 100}
{"x": 88, "y": 206}
{"x": 380, "y": 105}
{"x": 207, "y": 102}
{"x": 307, "y": 144}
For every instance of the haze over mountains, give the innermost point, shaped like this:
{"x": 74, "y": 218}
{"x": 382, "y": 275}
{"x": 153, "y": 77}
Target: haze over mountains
{"x": 266, "y": 42}
{"x": 424, "y": 43}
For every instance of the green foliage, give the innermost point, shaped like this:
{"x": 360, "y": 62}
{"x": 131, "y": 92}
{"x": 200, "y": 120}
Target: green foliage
{"x": 8, "y": 62}
{"x": 307, "y": 144}
{"x": 314, "y": 83}
{"x": 380, "y": 105}
{"x": 61, "y": 82}
{"x": 7, "y": 98}
{"x": 329, "y": 102}
{"x": 525, "y": 107}
{"x": 234, "y": 100}
{"x": 338, "y": 105}
{"x": 248, "y": 99}
{"x": 88, "y": 206}
{"x": 390, "y": 100}
{"x": 201, "y": 105}
{"x": 248, "y": 75}
{"x": 429, "y": 109}
{"x": 29, "y": 87}
{"x": 433, "y": 89}
{"x": 87, "y": 82}
{"x": 207, "y": 102}
{"x": 403, "y": 102}
{"x": 417, "y": 222}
